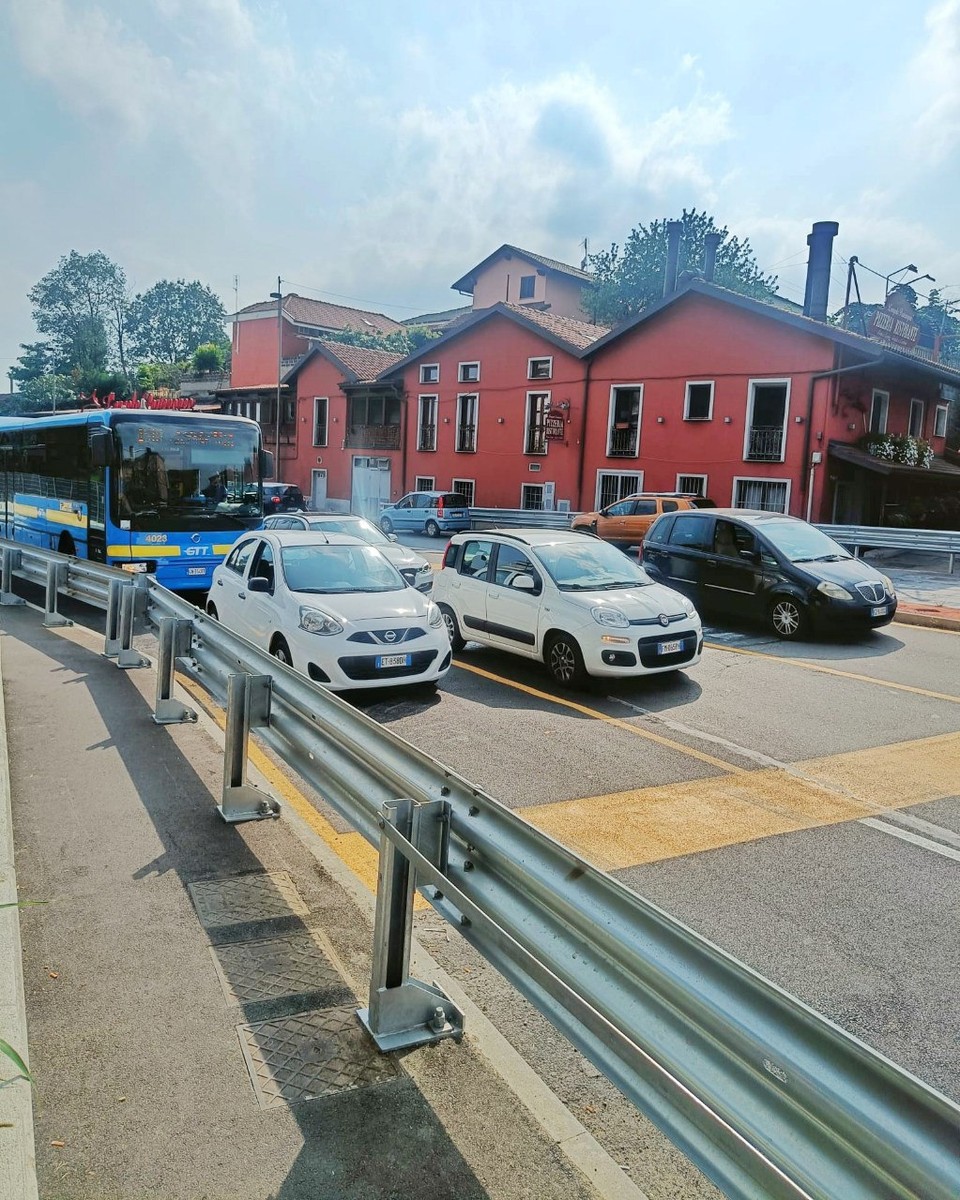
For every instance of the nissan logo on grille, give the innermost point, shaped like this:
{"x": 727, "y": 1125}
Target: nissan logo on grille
{"x": 390, "y": 636}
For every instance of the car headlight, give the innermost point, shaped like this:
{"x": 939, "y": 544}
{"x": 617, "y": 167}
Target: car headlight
{"x": 434, "y": 615}
{"x": 888, "y": 584}
{"x": 609, "y": 616}
{"x": 688, "y": 606}
{"x": 833, "y": 590}
{"x": 314, "y": 620}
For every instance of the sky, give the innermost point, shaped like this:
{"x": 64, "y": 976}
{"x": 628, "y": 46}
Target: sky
{"x": 370, "y": 152}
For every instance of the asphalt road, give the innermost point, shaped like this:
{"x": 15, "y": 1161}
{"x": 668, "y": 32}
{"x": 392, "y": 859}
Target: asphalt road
{"x": 796, "y": 804}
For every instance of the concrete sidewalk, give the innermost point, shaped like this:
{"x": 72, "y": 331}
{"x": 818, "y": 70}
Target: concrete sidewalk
{"x": 191, "y": 986}
{"x": 927, "y": 593}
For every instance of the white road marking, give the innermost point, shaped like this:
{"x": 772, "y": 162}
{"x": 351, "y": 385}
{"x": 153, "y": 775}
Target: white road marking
{"x": 914, "y": 838}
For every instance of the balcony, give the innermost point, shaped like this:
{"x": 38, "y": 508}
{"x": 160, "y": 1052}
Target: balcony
{"x": 536, "y": 442}
{"x": 765, "y": 444}
{"x": 372, "y": 437}
{"x": 466, "y": 439}
{"x": 427, "y": 437}
{"x": 624, "y": 443}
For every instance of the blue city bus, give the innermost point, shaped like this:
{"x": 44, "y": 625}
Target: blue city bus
{"x": 160, "y": 491}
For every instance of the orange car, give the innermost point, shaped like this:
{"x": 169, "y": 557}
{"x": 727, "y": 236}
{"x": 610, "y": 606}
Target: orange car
{"x": 626, "y": 522}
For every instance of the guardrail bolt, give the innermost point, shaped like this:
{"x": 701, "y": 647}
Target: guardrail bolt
{"x": 381, "y": 823}
{"x": 473, "y": 810}
{"x": 464, "y": 920}
{"x": 439, "y": 1022}
{"x": 467, "y": 864}
{"x": 444, "y": 791}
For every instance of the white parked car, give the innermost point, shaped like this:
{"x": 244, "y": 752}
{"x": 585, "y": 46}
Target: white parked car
{"x": 575, "y": 602}
{"x": 332, "y": 607}
{"x": 413, "y": 567}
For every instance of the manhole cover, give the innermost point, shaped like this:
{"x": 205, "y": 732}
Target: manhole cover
{"x": 237, "y": 899}
{"x": 311, "y": 1054}
{"x": 285, "y": 966}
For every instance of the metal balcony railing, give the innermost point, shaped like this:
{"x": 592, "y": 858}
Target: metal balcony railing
{"x": 466, "y": 439}
{"x": 373, "y": 437}
{"x": 624, "y": 443}
{"x": 536, "y": 442}
{"x": 427, "y": 437}
{"x": 765, "y": 444}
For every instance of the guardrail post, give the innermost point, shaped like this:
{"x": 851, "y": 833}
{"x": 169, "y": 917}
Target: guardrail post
{"x": 9, "y": 563}
{"x": 111, "y": 645}
{"x": 248, "y": 704}
{"x": 56, "y": 575}
{"x": 175, "y": 638}
{"x": 127, "y": 657}
{"x": 405, "y": 1012}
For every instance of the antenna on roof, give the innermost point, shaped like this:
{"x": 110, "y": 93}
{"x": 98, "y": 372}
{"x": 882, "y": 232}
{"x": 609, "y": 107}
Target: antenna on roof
{"x": 586, "y": 255}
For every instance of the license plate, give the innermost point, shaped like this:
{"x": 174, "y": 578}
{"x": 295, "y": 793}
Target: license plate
{"x": 670, "y": 647}
{"x": 392, "y": 660}
{"x": 196, "y": 570}
{"x": 879, "y": 610}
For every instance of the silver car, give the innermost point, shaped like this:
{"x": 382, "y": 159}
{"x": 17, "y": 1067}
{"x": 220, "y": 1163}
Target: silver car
{"x": 415, "y": 570}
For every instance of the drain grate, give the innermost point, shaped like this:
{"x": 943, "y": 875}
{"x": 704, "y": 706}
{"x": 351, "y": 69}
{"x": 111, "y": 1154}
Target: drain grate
{"x": 237, "y": 899}
{"x": 279, "y": 967}
{"x": 311, "y": 1054}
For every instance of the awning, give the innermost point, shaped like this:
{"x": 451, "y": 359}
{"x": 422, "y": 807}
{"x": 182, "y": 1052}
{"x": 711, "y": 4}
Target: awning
{"x": 943, "y": 471}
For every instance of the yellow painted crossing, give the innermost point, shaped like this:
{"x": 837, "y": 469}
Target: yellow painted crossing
{"x": 648, "y": 824}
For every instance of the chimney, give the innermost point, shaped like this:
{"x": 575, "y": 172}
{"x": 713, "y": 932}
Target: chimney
{"x": 674, "y": 230}
{"x": 816, "y": 294}
{"x": 710, "y": 244}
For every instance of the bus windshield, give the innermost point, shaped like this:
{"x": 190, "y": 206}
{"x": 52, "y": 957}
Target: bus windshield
{"x": 185, "y": 476}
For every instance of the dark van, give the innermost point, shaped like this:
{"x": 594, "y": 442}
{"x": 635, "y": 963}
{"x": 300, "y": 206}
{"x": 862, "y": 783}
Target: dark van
{"x": 768, "y": 567}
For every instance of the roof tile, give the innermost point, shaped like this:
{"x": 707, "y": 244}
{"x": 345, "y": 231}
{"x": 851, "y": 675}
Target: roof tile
{"x": 327, "y": 316}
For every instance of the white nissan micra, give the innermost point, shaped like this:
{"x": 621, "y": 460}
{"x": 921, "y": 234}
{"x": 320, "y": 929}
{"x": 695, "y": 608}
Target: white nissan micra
{"x": 331, "y": 606}
{"x": 576, "y": 603}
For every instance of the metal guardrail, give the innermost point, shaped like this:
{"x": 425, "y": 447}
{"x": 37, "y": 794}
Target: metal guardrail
{"x": 514, "y": 518}
{"x": 861, "y": 537}
{"x": 766, "y": 1096}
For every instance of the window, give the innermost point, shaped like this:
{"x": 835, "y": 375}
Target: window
{"x": 467, "y": 424}
{"x": 535, "y": 434}
{"x": 698, "y": 404}
{"x": 915, "y": 428}
{"x": 614, "y": 485}
{"x": 767, "y": 409}
{"x": 240, "y": 556}
{"x": 730, "y": 539}
{"x": 940, "y": 421}
{"x": 691, "y": 531}
{"x": 320, "y": 406}
{"x": 469, "y": 372}
{"x": 528, "y": 286}
{"x": 288, "y": 410}
{"x": 429, "y": 372}
{"x": 668, "y": 506}
{"x": 531, "y": 496}
{"x": 768, "y": 495}
{"x": 467, "y": 488}
{"x": 475, "y": 558}
{"x": 879, "y": 407}
{"x": 622, "y": 508}
{"x": 512, "y": 563}
{"x": 695, "y": 485}
{"x": 623, "y": 434}
{"x": 539, "y": 368}
{"x": 263, "y": 565}
{"x": 646, "y": 508}
{"x": 427, "y": 423}
{"x": 424, "y": 483}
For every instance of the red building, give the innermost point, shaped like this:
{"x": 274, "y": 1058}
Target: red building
{"x": 516, "y": 406}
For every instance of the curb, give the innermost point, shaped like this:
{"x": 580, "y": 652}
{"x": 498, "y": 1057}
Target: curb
{"x": 933, "y": 617}
{"x": 18, "y": 1166}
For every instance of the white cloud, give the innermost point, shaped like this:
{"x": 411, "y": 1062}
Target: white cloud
{"x": 934, "y": 77}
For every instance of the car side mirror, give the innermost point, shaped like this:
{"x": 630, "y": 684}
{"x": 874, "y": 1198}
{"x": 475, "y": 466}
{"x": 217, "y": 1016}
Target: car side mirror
{"x": 259, "y": 583}
{"x": 525, "y": 583}
{"x": 101, "y": 447}
{"x": 393, "y": 537}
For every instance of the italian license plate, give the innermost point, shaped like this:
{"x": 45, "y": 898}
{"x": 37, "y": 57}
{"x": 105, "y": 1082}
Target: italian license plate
{"x": 196, "y": 570}
{"x": 392, "y": 660}
{"x": 879, "y": 610}
{"x": 673, "y": 647}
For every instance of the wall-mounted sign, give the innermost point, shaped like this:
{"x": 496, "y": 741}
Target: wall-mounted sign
{"x": 553, "y": 428}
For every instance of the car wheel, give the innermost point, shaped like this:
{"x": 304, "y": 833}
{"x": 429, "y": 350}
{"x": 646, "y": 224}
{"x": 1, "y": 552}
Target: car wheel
{"x": 432, "y": 529}
{"x": 788, "y": 618}
{"x": 212, "y": 611}
{"x": 564, "y": 661}
{"x": 386, "y": 525}
{"x": 281, "y": 651}
{"x": 453, "y": 628}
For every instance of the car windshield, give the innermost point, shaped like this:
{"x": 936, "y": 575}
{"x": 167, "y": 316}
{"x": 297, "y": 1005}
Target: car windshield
{"x": 587, "y": 565}
{"x": 355, "y": 527}
{"x": 800, "y": 542}
{"x": 328, "y": 570}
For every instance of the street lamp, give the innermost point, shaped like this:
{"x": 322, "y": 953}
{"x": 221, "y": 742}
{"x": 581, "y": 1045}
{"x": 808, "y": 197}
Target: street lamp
{"x": 278, "y": 296}
{"x": 887, "y": 278}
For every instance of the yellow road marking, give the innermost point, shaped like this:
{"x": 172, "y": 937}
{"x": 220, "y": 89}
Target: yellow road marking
{"x": 808, "y": 666}
{"x": 648, "y": 824}
{"x": 351, "y": 847}
{"x": 720, "y": 763}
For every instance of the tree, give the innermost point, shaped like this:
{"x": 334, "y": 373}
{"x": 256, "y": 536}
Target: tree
{"x": 80, "y": 305}
{"x": 171, "y": 319}
{"x": 629, "y": 280}
{"x": 43, "y": 393}
{"x": 208, "y": 358}
{"x": 37, "y": 359}
{"x": 400, "y": 341}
